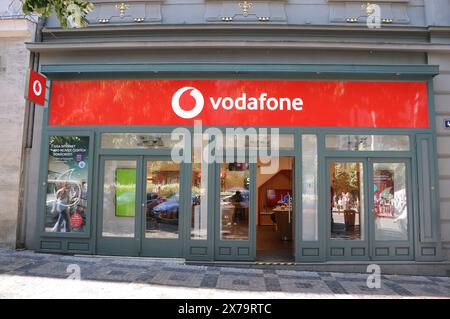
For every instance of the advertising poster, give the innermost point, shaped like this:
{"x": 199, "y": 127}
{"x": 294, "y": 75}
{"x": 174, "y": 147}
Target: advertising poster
{"x": 67, "y": 186}
{"x": 125, "y": 192}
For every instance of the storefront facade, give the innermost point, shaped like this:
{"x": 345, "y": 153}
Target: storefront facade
{"x": 357, "y": 148}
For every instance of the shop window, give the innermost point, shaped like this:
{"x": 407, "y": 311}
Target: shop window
{"x": 347, "y": 200}
{"x": 199, "y": 197}
{"x": 367, "y": 142}
{"x": 119, "y": 198}
{"x": 67, "y": 184}
{"x": 137, "y": 140}
{"x": 163, "y": 199}
{"x": 390, "y": 207}
{"x": 309, "y": 188}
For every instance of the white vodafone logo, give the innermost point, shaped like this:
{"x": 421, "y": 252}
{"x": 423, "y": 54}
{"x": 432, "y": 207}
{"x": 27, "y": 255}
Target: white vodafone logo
{"x": 199, "y": 102}
{"x": 243, "y": 102}
{"x": 37, "y": 87}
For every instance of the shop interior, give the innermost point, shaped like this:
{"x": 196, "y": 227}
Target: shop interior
{"x": 275, "y": 212}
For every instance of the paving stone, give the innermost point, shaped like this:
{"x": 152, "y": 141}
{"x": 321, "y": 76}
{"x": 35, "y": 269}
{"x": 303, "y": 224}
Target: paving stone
{"x": 269, "y": 271}
{"x": 178, "y": 277}
{"x": 272, "y": 284}
{"x": 299, "y": 276}
{"x": 398, "y": 289}
{"x": 184, "y": 270}
{"x": 233, "y": 282}
{"x": 356, "y": 288}
{"x": 303, "y": 285}
{"x": 145, "y": 276}
{"x": 18, "y": 267}
{"x": 335, "y": 287}
{"x": 315, "y": 286}
{"x": 324, "y": 274}
{"x": 237, "y": 273}
{"x": 350, "y": 279}
{"x": 31, "y": 265}
{"x": 116, "y": 273}
{"x": 209, "y": 281}
{"x": 241, "y": 282}
{"x": 431, "y": 291}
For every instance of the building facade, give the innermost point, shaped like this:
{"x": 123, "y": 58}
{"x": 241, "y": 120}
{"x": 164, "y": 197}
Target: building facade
{"x": 359, "y": 94}
{"x": 15, "y": 29}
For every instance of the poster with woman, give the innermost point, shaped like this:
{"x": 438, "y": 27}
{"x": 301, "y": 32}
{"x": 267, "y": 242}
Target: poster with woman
{"x": 67, "y": 184}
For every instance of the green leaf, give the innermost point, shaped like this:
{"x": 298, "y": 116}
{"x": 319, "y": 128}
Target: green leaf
{"x": 74, "y": 10}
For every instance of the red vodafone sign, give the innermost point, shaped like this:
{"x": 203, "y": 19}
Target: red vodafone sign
{"x": 240, "y": 103}
{"x": 36, "y": 87}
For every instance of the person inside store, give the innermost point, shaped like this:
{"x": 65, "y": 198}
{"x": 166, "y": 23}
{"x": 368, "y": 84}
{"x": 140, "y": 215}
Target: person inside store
{"x": 237, "y": 200}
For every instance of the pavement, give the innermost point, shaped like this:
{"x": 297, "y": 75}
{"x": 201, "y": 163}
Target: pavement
{"x": 26, "y": 274}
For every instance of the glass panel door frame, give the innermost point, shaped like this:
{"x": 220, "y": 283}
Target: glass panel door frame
{"x": 375, "y": 249}
{"x": 163, "y": 247}
{"x": 341, "y": 249}
{"x": 237, "y": 250}
{"x": 138, "y": 245}
{"x": 392, "y": 249}
{"x": 118, "y": 245}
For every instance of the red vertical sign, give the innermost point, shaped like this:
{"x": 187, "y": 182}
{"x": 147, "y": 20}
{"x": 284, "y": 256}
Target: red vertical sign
{"x": 36, "y": 88}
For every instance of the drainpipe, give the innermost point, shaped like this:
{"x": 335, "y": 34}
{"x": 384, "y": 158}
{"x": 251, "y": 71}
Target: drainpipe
{"x": 27, "y": 144}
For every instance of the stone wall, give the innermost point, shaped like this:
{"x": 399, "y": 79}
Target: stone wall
{"x": 14, "y": 62}
{"x": 442, "y": 104}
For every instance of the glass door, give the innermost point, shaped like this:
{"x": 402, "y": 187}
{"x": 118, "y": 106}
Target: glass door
{"x": 162, "y": 208}
{"x": 140, "y": 205}
{"x": 236, "y": 218}
{"x": 118, "y": 220}
{"x": 391, "y": 220}
{"x": 347, "y": 209}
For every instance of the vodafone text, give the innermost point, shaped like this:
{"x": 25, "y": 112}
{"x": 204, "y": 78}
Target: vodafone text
{"x": 253, "y": 104}
{"x": 241, "y": 103}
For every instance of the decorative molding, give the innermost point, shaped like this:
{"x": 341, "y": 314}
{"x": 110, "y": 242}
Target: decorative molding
{"x": 353, "y": 11}
{"x": 375, "y": 1}
{"x": 246, "y": 11}
{"x": 125, "y": 11}
{"x": 122, "y": 7}
{"x": 202, "y": 44}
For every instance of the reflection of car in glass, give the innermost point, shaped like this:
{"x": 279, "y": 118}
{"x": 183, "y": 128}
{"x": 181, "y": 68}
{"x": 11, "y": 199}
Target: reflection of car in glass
{"x": 50, "y": 217}
{"x": 153, "y": 199}
{"x": 167, "y": 210}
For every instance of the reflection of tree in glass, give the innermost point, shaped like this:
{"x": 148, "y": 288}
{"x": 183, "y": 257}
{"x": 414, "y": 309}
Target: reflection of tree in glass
{"x": 346, "y": 178}
{"x": 61, "y": 140}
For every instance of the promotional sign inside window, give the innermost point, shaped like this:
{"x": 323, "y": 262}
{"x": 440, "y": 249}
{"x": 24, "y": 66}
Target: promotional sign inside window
{"x": 125, "y": 188}
{"x": 67, "y": 184}
{"x": 36, "y": 88}
{"x": 240, "y": 103}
